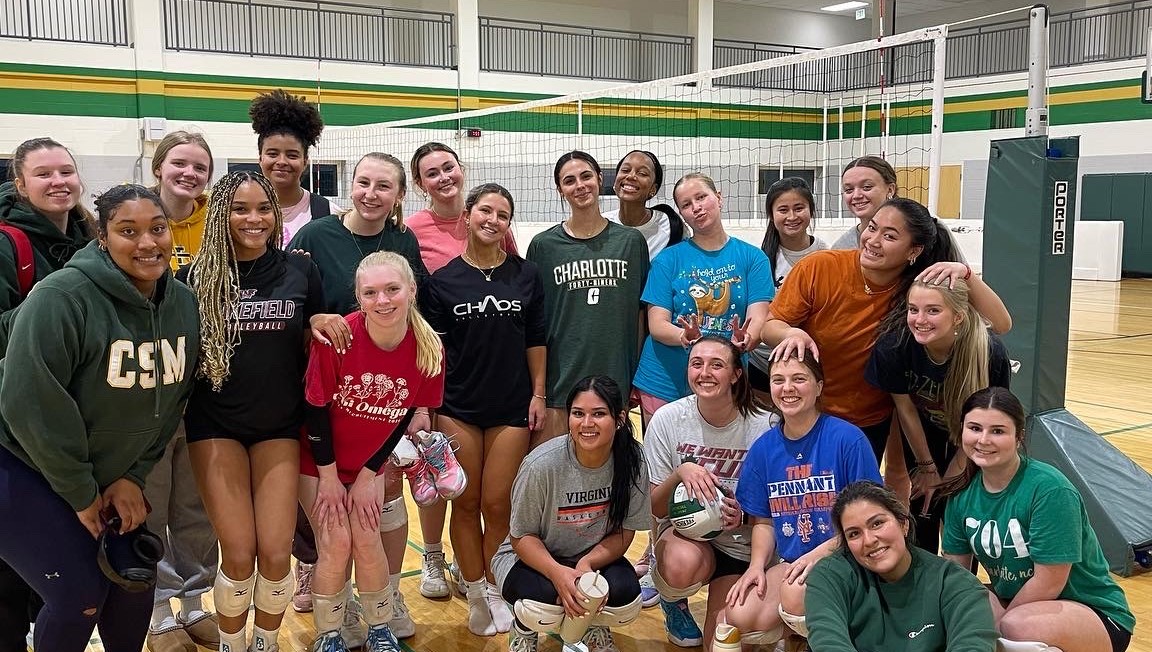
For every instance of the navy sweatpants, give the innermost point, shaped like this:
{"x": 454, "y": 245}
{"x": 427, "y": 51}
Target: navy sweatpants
{"x": 46, "y": 544}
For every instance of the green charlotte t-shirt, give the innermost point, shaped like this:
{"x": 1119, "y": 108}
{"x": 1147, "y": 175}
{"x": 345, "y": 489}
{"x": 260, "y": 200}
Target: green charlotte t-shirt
{"x": 592, "y": 293}
{"x": 1039, "y": 518}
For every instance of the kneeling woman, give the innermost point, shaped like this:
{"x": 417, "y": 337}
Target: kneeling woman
{"x": 90, "y": 398}
{"x": 576, "y": 504}
{"x": 884, "y": 593}
{"x": 701, "y": 441}
{"x": 787, "y": 486}
{"x": 1027, "y": 526}
{"x": 360, "y": 403}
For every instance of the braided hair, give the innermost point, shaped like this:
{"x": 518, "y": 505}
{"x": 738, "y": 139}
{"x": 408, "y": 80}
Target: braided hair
{"x": 215, "y": 278}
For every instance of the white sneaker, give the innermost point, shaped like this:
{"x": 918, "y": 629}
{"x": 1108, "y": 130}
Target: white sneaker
{"x": 599, "y": 639}
{"x": 354, "y": 631}
{"x": 522, "y": 641}
{"x": 433, "y": 584}
{"x": 401, "y": 623}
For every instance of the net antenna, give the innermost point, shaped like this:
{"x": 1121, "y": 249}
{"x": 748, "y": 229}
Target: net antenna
{"x": 774, "y": 114}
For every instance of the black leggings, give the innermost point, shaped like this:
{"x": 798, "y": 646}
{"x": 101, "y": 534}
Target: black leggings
{"x": 526, "y": 583}
{"x": 56, "y": 555}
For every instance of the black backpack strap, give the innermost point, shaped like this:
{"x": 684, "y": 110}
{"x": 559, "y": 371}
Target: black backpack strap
{"x": 319, "y": 205}
{"x": 675, "y": 223}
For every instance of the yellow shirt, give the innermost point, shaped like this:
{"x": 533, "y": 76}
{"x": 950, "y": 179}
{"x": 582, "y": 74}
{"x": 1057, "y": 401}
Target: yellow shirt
{"x": 187, "y": 234}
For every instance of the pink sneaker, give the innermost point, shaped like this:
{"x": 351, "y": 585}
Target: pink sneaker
{"x": 450, "y": 477}
{"x": 422, "y": 481}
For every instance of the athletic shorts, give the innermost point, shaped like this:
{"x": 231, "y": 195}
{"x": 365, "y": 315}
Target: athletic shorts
{"x": 247, "y": 441}
{"x": 486, "y": 421}
{"x": 727, "y": 565}
{"x": 1119, "y": 636}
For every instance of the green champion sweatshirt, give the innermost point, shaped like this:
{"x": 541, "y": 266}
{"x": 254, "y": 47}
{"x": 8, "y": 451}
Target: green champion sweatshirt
{"x": 936, "y": 607}
{"x": 95, "y": 378}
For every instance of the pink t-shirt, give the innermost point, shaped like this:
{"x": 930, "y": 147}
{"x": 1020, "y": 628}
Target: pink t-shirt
{"x": 442, "y": 240}
{"x": 299, "y": 214}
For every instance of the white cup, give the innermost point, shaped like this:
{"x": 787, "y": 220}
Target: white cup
{"x": 595, "y": 590}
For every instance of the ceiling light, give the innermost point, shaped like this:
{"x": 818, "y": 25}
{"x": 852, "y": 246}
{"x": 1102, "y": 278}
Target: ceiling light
{"x": 845, "y": 6}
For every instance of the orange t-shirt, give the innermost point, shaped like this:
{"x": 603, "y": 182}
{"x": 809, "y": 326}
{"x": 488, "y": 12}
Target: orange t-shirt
{"x": 824, "y": 295}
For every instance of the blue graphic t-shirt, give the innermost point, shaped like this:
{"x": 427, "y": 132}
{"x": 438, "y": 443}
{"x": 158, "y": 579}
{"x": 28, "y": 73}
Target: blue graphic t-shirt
{"x": 795, "y": 482}
{"x": 714, "y": 285}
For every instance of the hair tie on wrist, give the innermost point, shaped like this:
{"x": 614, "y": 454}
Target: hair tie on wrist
{"x": 967, "y": 272}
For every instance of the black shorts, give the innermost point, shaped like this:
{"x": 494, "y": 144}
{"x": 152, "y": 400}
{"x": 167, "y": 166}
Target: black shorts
{"x": 490, "y": 420}
{"x": 247, "y": 441}
{"x": 726, "y": 565}
{"x": 1119, "y": 636}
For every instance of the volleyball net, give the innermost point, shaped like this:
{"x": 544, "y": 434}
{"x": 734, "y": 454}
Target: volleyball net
{"x": 746, "y": 126}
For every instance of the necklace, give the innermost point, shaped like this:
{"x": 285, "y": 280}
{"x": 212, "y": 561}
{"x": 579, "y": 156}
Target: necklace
{"x": 933, "y": 360}
{"x": 479, "y": 268}
{"x": 868, "y": 288}
{"x": 584, "y": 236}
{"x": 356, "y": 240}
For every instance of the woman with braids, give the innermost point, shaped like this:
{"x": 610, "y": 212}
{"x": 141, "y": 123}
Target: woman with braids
{"x": 576, "y": 504}
{"x": 245, "y": 415}
{"x": 929, "y": 361}
{"x": 882, "y": 593}
{"x": 287, "y": 127}
{"x": 441, "y": 228}
{"x": 89, "y": 399}
{"x": 338, "y": 244}
{"x": 182, "y": 166}
{"x": 639, "y": 176}
{"x": 489, "y": 305}
{"x": 701, "y": 441}
{"x": 1027, "y": 526}
{"x": 834, "y": 300}
{"x": 361, "y": 401}
{"x": 41, "y": 203}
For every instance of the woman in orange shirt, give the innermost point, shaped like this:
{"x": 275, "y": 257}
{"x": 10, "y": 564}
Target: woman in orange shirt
{"x": 834, "y": 300}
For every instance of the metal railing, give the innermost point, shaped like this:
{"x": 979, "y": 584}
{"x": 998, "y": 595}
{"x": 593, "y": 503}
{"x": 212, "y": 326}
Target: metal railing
{"x": 536, "y": 48}
{"x": 102, "y": 22}
{"x": 1114, "y": 32}
{"x": 311, "y": 30}
{"x": 905, "y": 64}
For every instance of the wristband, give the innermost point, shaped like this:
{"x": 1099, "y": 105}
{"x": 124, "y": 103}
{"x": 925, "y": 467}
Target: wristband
{"x": 540, "y": 396}
{"x": 967, "y": 272}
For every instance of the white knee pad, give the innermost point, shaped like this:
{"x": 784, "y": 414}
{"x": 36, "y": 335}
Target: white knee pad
{"x": 393, "y": 515}
{"x": 273, "y": 597}
{"x": 232, "y": 598}
{"x": 799, "y": 624}
{"x": 617, "y": 616}
{"x": 671, "y": 593}
{"x": 1005, "y": 645}
{"x": 538, "y": 616}
{"x": 769, "y": 637}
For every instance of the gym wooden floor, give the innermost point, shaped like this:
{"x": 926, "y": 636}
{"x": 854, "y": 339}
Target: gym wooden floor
{"x": 1109, "y": 385}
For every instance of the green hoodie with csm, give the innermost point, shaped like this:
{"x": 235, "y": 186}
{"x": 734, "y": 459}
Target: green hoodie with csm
{"x": 96, "y": 376}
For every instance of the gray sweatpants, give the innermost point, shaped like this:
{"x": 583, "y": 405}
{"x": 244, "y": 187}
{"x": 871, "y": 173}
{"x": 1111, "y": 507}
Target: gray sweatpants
{"x": 191, "y": 555}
